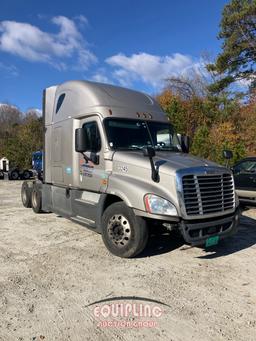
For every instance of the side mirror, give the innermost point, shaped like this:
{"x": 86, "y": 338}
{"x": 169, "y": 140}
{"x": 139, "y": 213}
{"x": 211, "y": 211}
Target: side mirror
{"x": 185, "y": 143}
{"x": 81, "y": 144}
{"x": 149, "y": 152}
{"x": 227, "y": 154}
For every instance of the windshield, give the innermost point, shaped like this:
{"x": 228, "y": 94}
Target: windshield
{"x": 135, "y": 134}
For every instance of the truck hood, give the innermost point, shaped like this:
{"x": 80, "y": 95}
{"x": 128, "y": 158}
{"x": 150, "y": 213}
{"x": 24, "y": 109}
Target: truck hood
{"x": 168, "y": 162}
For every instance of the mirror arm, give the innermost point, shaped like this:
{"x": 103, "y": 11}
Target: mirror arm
{"x": 150, "y": 153}
{"x": 94, "y": 160}
{"x": 154, "y": 174}
{"x": 86, "y": 158}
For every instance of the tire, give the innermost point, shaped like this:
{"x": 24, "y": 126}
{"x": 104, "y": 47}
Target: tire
{"x": 124, "y": 234}
{"x": 26, "y": 192}
{"x": 36, "y": 199}
{"x": 26, "y": 175}
{"x": 40, "y": 175}
{"x": 14, "y": 175}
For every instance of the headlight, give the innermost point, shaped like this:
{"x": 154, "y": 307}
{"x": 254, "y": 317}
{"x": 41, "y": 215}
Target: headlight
{"x": 157, "y": 205}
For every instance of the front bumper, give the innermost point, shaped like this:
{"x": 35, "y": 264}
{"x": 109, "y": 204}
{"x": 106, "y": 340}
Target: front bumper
{"x": 196, "y": 232}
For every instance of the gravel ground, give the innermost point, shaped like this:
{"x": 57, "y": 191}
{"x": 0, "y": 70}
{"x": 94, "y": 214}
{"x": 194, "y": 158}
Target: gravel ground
{"x": 53, "y": 270}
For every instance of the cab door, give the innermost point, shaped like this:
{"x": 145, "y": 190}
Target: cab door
{"x": 92, "y": 174}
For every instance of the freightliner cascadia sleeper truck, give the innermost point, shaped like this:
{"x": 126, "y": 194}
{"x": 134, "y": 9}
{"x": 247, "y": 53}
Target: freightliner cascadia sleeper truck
{"x": 113, "y": 162}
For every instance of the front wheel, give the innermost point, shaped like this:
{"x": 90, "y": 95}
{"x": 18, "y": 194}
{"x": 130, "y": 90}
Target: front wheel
{"x": 124, "y": 234}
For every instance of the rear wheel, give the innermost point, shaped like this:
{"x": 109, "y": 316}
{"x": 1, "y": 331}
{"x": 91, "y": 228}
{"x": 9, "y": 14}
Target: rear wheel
{"x": 26, "y": 192}
{"x": 14, "y": 175}
{"x": 124, "y": 234}
{"x": 36, "y": 199}
{"x": 26, "y": 175}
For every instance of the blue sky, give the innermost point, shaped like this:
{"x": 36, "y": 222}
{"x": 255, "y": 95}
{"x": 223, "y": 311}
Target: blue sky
{"x": 130, "y": 43}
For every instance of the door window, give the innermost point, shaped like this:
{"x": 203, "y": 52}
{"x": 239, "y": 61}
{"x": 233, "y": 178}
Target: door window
{"x": 93, "y": 136}
{"x": 245, "y": 167}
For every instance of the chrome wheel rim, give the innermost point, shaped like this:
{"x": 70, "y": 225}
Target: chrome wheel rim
{"x": 119, "y": 230}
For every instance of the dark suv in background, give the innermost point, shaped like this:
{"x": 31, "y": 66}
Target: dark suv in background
{"x": 245, "y": 180}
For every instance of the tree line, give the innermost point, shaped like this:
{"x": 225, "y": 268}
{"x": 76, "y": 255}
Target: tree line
{"x": 20, "y": 135}
{"x": 210, "y": 106}
{"x": 213, "y": 123}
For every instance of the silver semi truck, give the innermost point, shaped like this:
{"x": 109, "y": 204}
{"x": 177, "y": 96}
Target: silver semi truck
{"x": 113, "y": 162}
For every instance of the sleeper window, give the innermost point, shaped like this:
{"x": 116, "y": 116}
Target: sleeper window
{"x": 59, "y": 103}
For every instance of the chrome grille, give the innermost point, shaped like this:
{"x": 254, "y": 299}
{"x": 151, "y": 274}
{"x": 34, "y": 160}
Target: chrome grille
{"x": 206, "y": 194}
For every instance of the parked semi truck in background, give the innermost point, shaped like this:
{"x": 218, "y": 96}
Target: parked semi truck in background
{"x": 113, "y": 162}
{"x": 16, "y": 173}
{"x": 37, "y": 161}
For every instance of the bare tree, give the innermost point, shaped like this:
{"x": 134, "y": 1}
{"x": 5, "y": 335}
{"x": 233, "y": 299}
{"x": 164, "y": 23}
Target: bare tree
{"x": 195, "y": 81}
{"x": 9, "y": 117}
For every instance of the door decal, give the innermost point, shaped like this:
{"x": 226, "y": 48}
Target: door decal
{"x": 86, "y": 169}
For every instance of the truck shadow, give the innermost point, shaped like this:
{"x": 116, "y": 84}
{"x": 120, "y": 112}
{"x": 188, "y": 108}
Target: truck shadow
{"x": 160, "y": 243}
{"x": 243, "y": 239}
{"x": 164, "y": 242}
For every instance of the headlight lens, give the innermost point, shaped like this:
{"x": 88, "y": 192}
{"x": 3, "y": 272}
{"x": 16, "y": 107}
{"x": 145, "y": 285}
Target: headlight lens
{"x": 157, "y": 205}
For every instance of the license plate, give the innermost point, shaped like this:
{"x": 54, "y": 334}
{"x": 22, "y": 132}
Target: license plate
{"x": 212, "y": 241}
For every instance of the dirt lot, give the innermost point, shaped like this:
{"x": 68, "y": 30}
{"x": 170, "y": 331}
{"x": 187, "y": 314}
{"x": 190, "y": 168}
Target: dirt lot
{"x": 53, "y": 269}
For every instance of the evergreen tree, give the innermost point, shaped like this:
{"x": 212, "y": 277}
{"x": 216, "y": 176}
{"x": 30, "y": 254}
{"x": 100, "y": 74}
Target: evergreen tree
{"x": 237, "y": 61}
